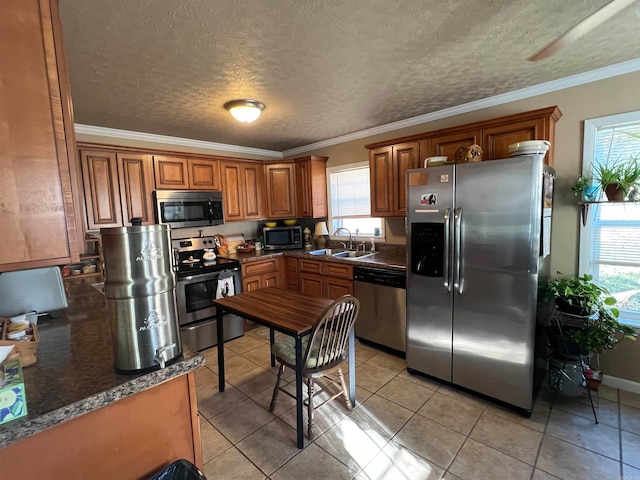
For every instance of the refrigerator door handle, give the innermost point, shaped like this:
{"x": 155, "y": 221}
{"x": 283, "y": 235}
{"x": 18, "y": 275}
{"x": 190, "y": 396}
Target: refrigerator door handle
{"x": 447, "y": 249}
{"x": 458, "y": 281}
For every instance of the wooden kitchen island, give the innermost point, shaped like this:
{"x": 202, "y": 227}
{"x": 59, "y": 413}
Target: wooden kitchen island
{"x": 87, "y": 421}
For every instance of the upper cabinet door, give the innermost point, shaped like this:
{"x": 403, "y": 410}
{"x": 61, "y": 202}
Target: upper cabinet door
{"x": 380, "y": 173}
{"x": 450, "y": 143}
{"x": 405, "y": 157}
{"x": 135, "y": 173}
{"x": 496, "y": 140}
{"x": 253, "y": 191}
{"x": 37, "y": 216}
{"x": 102, "y": 194}
{"x": 232, "y": 186}
{"x": 311, "y": 187}
{"x": 171, "y": 173}
{"x": 281, "y": 196}
{"x": 204, "y": 174}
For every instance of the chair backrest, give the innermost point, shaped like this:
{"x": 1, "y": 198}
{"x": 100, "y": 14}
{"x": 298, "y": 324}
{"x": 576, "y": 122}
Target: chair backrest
{"x": 328, "y": 340}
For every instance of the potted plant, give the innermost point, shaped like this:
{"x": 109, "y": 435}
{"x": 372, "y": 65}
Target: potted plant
{"x": 603, "y": 332}
{"x": 617, "y": 178}
{"x": 570, "y": 342}
{"x": 584, "y": 189}
{"x": 577, "y": 295}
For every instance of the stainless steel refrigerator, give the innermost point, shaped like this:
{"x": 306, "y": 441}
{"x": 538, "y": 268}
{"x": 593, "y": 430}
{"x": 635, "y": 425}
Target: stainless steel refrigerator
{"x": 478, "y": 243}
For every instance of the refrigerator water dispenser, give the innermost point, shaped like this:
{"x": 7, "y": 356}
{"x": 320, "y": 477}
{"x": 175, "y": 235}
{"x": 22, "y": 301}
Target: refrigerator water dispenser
{"x": 427, "y": 249}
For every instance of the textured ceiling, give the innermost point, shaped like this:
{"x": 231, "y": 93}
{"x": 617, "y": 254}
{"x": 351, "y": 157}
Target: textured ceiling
{"x": 323, "y": 68}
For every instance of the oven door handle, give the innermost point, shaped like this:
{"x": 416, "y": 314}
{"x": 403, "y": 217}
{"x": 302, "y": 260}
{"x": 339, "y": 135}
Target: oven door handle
{"x": 203, "y": 277}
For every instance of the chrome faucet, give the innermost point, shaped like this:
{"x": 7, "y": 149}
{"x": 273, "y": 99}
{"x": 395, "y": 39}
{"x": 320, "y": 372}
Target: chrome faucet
{"x": 350, "y": 236}
{"x": 363, "y": 245}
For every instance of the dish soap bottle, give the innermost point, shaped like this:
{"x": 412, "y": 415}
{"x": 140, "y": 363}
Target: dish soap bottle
{"x": 373, "y": 244}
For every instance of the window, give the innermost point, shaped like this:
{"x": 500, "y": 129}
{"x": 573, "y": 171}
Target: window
{"x": 350, "y": 205}
{"x": 610, "y": 240}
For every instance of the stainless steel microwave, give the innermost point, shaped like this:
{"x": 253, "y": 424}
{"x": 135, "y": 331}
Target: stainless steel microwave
{"x": 187, "y": 208}
{"x": 276, "y": 238}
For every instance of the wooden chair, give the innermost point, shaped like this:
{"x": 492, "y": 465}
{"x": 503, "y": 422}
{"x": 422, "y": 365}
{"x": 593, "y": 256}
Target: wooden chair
{"x": 325, "y": 349}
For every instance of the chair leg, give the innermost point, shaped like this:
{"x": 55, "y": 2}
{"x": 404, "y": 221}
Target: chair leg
{"x": 274, "y": 399}
{"x": 345, "y": 390}
{"x": 312, "y": 425}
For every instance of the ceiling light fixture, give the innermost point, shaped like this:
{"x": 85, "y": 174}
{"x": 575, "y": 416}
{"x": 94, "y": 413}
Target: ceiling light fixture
{"x": 245, "y": 111}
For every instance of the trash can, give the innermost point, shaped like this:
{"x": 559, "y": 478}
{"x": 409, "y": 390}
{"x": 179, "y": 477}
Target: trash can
{"x": 180, "y": 470}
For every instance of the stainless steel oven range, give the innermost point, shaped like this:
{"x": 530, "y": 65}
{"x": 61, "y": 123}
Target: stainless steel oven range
{"x": 198, "y": 277}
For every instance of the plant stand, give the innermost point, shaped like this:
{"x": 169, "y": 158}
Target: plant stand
{"x": 567, "y": 373}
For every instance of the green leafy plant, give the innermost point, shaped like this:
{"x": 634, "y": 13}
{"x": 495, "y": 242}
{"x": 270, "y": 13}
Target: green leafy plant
{"x": 577, "y": 295}
{"x": 602, "y": 333}
{"x": 581, "y": 184}
{"x": 623, "y": 176}
{"x": 580, "y": 295}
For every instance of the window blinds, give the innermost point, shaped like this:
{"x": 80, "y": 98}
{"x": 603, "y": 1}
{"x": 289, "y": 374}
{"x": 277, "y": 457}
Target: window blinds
{"x": 350, "y": 193}
{"x": 616, "y": 228}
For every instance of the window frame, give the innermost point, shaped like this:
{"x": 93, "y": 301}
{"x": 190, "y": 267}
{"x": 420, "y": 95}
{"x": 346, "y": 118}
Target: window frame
{"x": 591, "y": 127}
{"x": 358, "y": 238}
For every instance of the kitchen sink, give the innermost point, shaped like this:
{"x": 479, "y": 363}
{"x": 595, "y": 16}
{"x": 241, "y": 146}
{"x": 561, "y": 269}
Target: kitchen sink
{"x": 352, "y": 255}
{"x": 346, "y": 254}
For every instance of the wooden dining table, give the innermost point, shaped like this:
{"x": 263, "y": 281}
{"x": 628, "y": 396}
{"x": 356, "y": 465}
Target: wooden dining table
{"x": 287, "y": 312}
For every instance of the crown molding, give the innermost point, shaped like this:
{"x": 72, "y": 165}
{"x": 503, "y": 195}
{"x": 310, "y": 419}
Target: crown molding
{"x": 165, "y": 139}
{"x": 541, "y": 89}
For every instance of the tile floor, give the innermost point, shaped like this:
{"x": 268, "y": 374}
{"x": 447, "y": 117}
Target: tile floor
{"x": 404, "y": 427}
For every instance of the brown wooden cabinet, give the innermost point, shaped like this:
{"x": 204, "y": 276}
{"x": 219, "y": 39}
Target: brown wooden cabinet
{"x": 37, "y": 151}
{"x": 324, "y": 279}
{"x": 311, "y": 186}
{"x": 243, "y": 187}
{"x": 291, "y": 273}
{"x": 161, "y": 426}
{"x": 281, "y": 190}
{"x": 448, "y": 144}
{"x": 389, "y": 160}
{"x": 262, "y": 273}
{"x": 171, "y": 173}
{"x": 117, "y": 188}
{"x": 179, "y": 173}
{"x": 387, "y": 167}
{"x": 496, "y": 139}
{"x": 204, "y": 174}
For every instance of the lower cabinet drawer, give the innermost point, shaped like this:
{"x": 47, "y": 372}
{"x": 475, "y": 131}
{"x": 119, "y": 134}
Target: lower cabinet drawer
{"x": 337, "y": 270}
{"x": 258, "y": 268}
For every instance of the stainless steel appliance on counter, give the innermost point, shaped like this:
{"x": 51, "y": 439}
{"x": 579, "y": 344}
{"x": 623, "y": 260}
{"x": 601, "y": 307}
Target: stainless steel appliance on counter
{"x": 197, "y": 287}
{"x": 478, "y": 243}
{"x": 286, "y": 237}
{"x": 141, "y": 301}
{"x": 382, "y": 295}
{"x": 184, "y": 208}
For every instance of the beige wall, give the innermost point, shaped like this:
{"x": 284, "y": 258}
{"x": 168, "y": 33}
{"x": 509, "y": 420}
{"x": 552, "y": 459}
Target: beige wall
{"x": 598, "y": 99}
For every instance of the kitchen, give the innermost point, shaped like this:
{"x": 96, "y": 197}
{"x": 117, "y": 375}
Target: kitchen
{"x": 573, "y": 102}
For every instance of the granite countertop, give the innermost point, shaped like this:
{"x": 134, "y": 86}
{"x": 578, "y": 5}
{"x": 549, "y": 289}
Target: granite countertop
{"x": 75, "y": 371}
{"x": 392, "y": 259}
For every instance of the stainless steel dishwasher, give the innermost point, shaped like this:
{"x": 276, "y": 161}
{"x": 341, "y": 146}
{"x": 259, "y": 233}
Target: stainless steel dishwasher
{"x": 382, "y": 317}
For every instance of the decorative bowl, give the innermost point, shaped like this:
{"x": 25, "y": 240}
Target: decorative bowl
{"x": 291, "y": 222}
{"x": 271, "y": 224}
